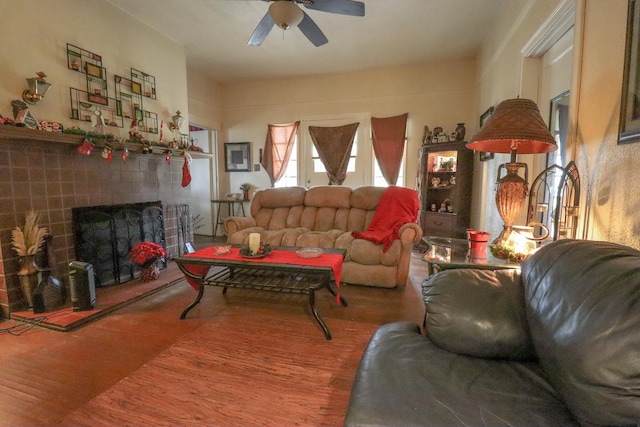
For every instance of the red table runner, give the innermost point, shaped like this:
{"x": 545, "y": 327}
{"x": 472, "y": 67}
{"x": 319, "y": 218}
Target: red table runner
{"x": 333, "y": 261}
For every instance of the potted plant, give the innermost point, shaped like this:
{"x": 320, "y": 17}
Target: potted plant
{"x": 147, "y": 255}
{"x": 447, "y": 165}
{"x": 26, "y": 242}
{"x": 245, "y": 190}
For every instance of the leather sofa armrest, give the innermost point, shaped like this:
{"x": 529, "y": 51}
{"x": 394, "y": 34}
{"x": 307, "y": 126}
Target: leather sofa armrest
{"x": 236, "y": 223}
{"x": 478, "y": 313}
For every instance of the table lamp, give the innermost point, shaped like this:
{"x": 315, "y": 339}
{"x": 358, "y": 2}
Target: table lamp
{"x": 516, "y": 127}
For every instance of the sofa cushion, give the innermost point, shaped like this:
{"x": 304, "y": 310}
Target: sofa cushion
{"x": 277, "y": 198}
{"x": 364, "y": 201}
{"x": 318, "y": 239}
{"x": 583, "y": 308}
{"x": 278, "y": 208}
{"x": 405, "y": 379}
{"x": 479, "y": 313}
{"x": 326, "y": 208}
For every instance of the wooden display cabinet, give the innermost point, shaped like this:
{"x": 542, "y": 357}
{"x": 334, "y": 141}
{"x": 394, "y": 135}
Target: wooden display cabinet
{"x": 446, "y": 179}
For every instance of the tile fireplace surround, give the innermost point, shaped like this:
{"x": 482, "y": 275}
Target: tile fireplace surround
{"x": 43, "y": 172}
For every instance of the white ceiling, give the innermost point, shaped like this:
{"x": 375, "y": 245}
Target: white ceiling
{"x": 392, "y": 33}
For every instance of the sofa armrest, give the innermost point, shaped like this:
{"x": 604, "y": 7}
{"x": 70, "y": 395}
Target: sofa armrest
{"x": 410, "y": 233}
{"x": 478, "y": 313}
{"x": 236, "y": 223}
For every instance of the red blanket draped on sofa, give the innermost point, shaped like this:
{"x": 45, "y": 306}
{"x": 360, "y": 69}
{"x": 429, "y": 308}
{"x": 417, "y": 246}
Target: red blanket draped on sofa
{"x": 398, "y": 205}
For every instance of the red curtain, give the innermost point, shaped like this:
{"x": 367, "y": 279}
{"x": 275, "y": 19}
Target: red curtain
{"x": 277, "y": 149}
{"x": 334, "y": 148}
{"x": 388, "y": 135}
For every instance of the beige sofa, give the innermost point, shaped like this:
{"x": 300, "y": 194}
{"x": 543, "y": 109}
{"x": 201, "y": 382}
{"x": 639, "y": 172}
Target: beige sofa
{"x": 325, "y": 216}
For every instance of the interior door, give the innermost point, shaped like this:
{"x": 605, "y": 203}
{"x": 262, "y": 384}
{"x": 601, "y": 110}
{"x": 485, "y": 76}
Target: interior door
{"x": 359, "y": 172}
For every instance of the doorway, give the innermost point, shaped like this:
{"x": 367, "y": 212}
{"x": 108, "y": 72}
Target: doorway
{"x": 547, "y": 77}
{"x": 204, "y": 187}
{"x": 555, "y": 95}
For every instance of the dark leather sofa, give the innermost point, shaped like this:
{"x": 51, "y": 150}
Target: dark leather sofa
{"x": 555, "y": 344}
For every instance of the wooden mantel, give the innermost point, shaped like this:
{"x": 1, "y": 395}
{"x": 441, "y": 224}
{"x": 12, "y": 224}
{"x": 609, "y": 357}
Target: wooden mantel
{"x": 22, "y": 134}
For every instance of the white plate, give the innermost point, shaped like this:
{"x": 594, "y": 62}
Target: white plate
{"x": 309, "y": 252}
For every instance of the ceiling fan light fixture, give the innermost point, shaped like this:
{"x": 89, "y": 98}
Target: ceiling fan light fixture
{"x": 285, "y": 14}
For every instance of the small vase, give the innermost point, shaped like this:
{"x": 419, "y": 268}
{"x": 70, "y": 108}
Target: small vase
{"x": 478, "y": 241}
{"x": 28, "y": 276}
{"x": 150, "y": 272}
{"x": 246, "y": 194}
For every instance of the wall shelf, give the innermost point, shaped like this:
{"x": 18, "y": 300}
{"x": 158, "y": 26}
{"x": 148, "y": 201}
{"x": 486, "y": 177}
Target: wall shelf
{"x": 22, "y": 134}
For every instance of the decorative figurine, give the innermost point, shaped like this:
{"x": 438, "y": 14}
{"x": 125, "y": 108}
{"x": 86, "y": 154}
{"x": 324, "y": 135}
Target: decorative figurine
{"x": 460, "y": 132}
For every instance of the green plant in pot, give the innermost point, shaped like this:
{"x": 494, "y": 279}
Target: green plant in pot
{"x": 245, "y": 190}
{"x": 447, "y": 165}
{"x": 26, "y": 241}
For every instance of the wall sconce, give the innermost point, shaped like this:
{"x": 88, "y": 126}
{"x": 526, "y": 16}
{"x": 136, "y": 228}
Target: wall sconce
{"x": 38, "y": 86}
{"x": 176, "y": 122}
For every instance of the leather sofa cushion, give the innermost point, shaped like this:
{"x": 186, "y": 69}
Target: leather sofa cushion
{"x": 478, "y": 313}
{"x": 583, "y": 307}
{"x": 405, "y": 379}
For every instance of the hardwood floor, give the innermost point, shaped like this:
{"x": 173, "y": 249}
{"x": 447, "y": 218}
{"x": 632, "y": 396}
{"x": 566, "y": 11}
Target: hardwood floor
{"x": 49, "y": 377}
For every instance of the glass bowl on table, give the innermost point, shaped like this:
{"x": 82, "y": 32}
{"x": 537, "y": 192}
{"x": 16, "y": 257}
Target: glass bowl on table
{"x": 444, "y": 249}
{"x": 309, "y": 252}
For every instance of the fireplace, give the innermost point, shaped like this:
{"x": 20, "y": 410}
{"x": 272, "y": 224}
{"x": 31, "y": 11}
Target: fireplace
{"x": 104, "y": 236}
{"x": 42, "y": 171}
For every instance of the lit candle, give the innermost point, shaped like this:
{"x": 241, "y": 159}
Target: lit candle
{"x": 254, "y": 242}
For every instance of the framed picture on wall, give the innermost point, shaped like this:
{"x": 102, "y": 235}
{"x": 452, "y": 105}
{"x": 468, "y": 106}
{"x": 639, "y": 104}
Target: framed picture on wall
{"x": 237, "y": 156}
{"x": 484, "y": 156}
{"x": 630, "y": 107}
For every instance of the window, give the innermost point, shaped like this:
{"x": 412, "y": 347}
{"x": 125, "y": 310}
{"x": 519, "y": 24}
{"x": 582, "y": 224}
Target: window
{"x": 558, "y": 125}
{"x": 290, "y": 178}
{"x": 378, "y": 179}
{"x": 318, "y": 166}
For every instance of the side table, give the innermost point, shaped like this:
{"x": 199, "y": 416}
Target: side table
{"x": 231, "y": 210}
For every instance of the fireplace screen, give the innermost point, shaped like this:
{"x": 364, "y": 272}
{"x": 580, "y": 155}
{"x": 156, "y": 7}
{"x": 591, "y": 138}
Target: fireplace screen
{"x": 104, "y": 236}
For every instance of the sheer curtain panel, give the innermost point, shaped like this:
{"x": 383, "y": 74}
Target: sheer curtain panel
{"x": 277, "y": 149}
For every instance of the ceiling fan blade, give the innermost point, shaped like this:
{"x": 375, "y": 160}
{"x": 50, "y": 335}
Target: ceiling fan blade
{"x": 312, "y": 31}
{"x": 262, "y": 31}
{"x": 343, "y": 7}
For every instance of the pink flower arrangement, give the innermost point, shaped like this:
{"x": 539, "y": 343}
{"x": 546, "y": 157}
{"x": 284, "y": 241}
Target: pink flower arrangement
{"x": 146, "y": 253}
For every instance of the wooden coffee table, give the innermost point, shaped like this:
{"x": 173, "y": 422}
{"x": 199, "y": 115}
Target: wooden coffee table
{"x": 264, "y": 276}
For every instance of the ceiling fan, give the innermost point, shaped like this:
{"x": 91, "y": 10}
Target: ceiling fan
{"x": 287, "y": 14}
